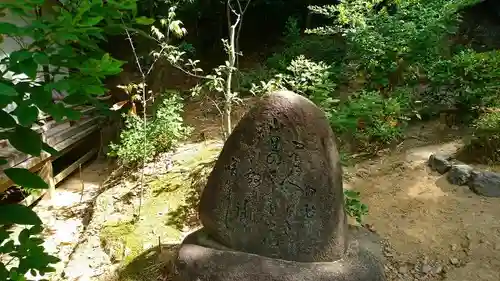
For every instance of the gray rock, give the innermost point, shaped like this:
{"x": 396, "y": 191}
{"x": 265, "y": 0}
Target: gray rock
{"x": 486, "y": 184}
{"x": 277, "y": 181}
{"x": 273, "y": 206}
{"x": 460, "y": 174}
{"x": 206, "y": 263}
{"x": 439, "y": 163}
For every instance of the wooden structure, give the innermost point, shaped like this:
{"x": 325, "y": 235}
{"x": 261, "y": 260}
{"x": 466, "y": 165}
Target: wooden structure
{"x": 76, "y": 142}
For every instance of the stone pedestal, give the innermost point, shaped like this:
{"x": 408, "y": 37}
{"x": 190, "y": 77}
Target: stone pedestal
{"x": 202, "y": 259}
{"x": 273, "y": 206}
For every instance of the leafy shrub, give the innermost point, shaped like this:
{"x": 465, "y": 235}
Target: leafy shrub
{"x": 63, "y": 43}
{"x": 392, "y": 49}
{"x": 317, "y": 48}
{"x": 248, "y": 77}
{"x": 485, "y": 144}
{"x": 366, "y": 117}
{"x": 161, "y": 133}
{"x": 370, "y": 119}
{"x": 27, "y": 255}
{"x": 353, "y": 205}
{"x": 468, "y": 81}
{"x": 305, "y": 77}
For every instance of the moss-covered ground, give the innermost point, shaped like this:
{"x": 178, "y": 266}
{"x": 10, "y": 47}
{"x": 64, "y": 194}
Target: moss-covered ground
{"x": 168, "y": 211}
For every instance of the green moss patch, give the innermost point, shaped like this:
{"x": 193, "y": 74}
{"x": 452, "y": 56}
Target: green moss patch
{"x": 168, "y": 210}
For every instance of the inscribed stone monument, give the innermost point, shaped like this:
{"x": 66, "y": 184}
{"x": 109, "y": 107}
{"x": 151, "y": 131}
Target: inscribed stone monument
{"x": 273, "y": 206}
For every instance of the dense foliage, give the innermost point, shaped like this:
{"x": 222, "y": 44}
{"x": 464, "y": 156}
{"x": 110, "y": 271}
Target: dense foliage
{"x": 58, "y": 50}
{"x": 163, "y": 132}
{"x": 376, "y": 70}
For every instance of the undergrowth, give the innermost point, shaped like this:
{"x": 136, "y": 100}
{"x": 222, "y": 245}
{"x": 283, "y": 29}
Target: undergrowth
{"x": 164, "y": 130}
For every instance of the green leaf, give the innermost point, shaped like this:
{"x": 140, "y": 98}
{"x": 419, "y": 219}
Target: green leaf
{"x": 91, "y": 21}
{"x": 25, "y": 178}
{"x": 144, "y": 21}
{"x": 7, "y": 90}
{"x": 62, "y": 37}
{"x": 9, "y": 28}
{"x": 37, "y": 229}
{"x": 19, "y": 56}
{"x": 75, "y": 99}
{"x": 18, "y": 214}
{"x": 3, "y": 161}
{"x": 55, "y": 111}
{"x": 59, "y": 111}
{"x": 24, "y": 236}
{"x": 5, "y": 100}
{"x": 8, "y": 247}
{"x": 6, "y": 121}
{"x": 49, "y": 149}
{"x": 41, "y": 97}
{"x": 26, "y": 114}
{"x": 29, "y": 67}
{"x": 351, "y": 193}
{"x": 41, "y": 58}
{"x": 95, "y": 90}
{"x": 26, "y": 140}
{"x": 73, "y": 115}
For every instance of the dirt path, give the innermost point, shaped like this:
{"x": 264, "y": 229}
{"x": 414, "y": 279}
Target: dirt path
{"x": 438, "y": 231}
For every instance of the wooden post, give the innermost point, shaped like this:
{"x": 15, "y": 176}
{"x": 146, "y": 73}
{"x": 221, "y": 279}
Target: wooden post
{"x": 47, "y": 174}
{"x": 81, "y": 182}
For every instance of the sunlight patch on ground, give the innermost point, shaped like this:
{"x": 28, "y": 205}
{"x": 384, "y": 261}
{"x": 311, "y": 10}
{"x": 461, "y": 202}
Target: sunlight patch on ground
{"x": 421, "y": 154}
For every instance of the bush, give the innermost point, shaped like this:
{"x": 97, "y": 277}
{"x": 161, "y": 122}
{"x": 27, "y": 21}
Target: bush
{"x": 317, "y": 48}
{"x": 485, "y": 144}
{"x": 468, "y": 81}
{"x": 392, "y": 49}
{"x": 367, "y": 119}
{"x": 161, "y": 133}
{"x": 26, "y": 255}
{"x": 305, "y": 77}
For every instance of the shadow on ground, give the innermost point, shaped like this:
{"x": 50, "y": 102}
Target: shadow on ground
{"x": 151, "y": 265}
{"x": 186, "y": 214}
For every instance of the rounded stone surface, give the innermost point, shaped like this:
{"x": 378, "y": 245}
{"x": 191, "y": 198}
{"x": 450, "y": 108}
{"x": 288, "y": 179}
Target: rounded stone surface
{"x": 201, "y": 262}
{"x": 276, "y": 188}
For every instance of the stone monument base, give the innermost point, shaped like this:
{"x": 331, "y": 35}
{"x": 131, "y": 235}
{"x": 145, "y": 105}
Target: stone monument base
{"x": 202, "y": 259}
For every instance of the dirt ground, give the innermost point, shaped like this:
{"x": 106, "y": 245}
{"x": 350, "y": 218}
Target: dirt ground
{"x": 434, "y": 230}
{"x": 437, "y": 231}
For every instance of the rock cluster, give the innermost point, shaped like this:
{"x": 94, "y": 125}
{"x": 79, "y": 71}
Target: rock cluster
{"x": 483, "y": 183}
{"x": 273, "y": 206}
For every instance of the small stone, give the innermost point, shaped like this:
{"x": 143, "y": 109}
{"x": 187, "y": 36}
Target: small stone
{"x": 425, "y": 260}
{"x": 426, "y": 268}
{"x": 387, "y": 253}
{"x": 453, "y": 247}
{"x": 460, "y": 174}
{"x": 439, "y": 163}
{"x": 438, "y": 269}
{"x": 486, "y": 184}
{"x": 468, "y": 236}
{"x": 403, "y": 269}
{"x": 454, "y": 261}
